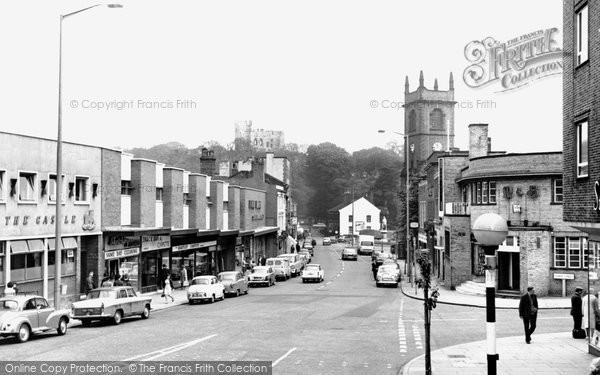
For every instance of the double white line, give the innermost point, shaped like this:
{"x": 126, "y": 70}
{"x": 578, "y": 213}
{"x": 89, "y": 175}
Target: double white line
{"x": 172, "y": 349}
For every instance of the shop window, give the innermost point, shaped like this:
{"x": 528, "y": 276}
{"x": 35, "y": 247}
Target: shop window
{"x": 81, "y": 189}
{"x": 2, "y": 186}
{"x": 557, "y": 190}
{"x": 159, "y": 194}
{"x": 581, "y": 35}
{"x": 27, "y": 187}
{"x": 582, "y": 149}
{"x": 574, "y": 253}
{"x": 483, "y": 192}
{"x": 492, "y": 192}
{"x": 560, "y": 257}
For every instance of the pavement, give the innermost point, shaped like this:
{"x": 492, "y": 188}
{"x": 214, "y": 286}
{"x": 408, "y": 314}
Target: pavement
{"x": 552, "y": 353}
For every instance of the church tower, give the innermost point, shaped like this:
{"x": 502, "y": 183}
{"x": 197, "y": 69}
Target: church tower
{"x": 428, "y": 120}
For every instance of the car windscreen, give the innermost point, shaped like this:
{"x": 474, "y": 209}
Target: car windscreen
{"x": 10, "y": 305}
{"x": 366, "y": 243}
{"x": 388, "y": 269}
{"x": 200, "y": 282}
{"x": 102, "y": 294}
{"x": 261, "y": 271}
{"x": 312, "y": 268}
{"x": 227, "y": 276}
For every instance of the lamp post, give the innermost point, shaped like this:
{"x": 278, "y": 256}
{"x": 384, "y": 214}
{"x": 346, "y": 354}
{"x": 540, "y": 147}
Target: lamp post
{"x": 490, "y": 230}
{"x": 59, "y": 182}
{"x": 408, "y": 252}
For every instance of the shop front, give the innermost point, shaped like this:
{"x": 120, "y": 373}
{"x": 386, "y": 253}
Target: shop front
{"x": 244, "y": 249}
{"x": 265, "y": 243}
{"x": 226, "y": 250}
{"x": 122, "y": 257}
{"x": 192, "y": 255}
{"x": 593, "y": 265}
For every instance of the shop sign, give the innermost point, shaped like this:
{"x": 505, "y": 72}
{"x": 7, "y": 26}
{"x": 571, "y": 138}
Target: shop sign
{"x": 121, "y": 242}
{"x": 239, "y": 248}
{"x": 150, "y": 243}
{"x": 70, "y": 253}
{"x": 564, "y": 276}
{"x": 196, "y": 245}
{"x": 122, "y": 253}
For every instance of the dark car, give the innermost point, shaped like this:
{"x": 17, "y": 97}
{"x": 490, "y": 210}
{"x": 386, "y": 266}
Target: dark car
{"x": 234, "y": 282}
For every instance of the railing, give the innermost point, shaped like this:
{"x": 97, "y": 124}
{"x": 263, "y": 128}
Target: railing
{"x": 457, "y": 208}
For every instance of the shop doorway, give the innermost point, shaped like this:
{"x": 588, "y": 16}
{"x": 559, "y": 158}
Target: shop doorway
{"x": 508, "y": 271}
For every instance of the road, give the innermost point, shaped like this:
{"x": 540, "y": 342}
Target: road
{"x": 344, "y": 325}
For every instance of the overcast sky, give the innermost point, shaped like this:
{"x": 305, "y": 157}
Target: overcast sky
{"x": 309, "y": 68}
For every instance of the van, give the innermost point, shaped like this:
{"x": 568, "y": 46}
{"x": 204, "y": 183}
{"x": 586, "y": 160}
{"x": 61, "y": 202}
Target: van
{"x": 365, "y": 244}
{"x": 281, "y": 267}
{"x": 295, "y": 263}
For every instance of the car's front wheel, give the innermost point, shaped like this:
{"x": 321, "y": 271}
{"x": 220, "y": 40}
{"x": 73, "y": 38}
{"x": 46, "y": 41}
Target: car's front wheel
{"x": 117, "y": 317}
{"x": 62, "y": 326}
{"x": 24, "y": 333}
{"x": 146, "y": 312}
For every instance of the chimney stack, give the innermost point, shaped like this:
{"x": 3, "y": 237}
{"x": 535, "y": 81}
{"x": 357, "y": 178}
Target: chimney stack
{"x": 479, "y": 143}
{"x": 208, "y": 163}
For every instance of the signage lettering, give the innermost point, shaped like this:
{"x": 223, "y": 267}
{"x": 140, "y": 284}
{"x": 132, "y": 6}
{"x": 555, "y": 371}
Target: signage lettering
{"x": 41, "y": 220}
{"x": 122, "y": 253}
{"x": 150, "y": 243}
{"x": 121, "y": 242}
{"x": 597, "y": 193}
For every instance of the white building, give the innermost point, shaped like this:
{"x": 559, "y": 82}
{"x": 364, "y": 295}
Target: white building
{"x": 366, "y": 216}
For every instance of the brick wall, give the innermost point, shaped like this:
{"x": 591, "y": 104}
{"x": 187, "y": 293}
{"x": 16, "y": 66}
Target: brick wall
{"x": 459, "y": 269}
{"x": 110, "y": 188}
{"x": 172, "y": 197}
{"x": 233, "y": 207}
{"x": 216, "y": 208}
{"x": 143, "y": 195}
{"x": 197, "y": 194}
{"x": 535, "y": 261}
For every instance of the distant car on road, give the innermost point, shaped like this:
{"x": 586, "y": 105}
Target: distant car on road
{"x": 308, "y": 247}
{"x": 326, "y": 241}
{"x": 233, "y": 282}
{"x": 262, "y": 275}
{"x": 349, "y": 253}
{"x": 205, "y": 288}
{"x": 313, "y": 272}
{"x": 112, "y": 303}
{"x": 22, "y": 316}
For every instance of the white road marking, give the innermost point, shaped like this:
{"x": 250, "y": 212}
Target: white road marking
{"x": 389, "y": 365}
{"x": 283, "y": 356}
{"x": 366, "y": 365}
{"x": 320, "y": 363}
{"x": 327, "y": 283}
{"x": 172, "y": 349}
{"x": 344, "y": 364}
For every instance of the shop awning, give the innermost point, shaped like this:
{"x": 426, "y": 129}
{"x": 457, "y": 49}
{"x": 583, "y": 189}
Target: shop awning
{"x": 35, "y": 245}
{"x": 69, "y": 243}
{"x": 265, "y": 230}
{"x": 19, "y": 247}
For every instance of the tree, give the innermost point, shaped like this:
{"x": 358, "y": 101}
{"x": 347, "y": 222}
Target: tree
{"x": 429, "y": 303}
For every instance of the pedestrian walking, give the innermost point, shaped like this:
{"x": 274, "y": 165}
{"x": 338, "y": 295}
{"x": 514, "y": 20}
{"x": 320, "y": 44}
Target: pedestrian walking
{"x": 168, "y": 290}
{"x": 577, "y": 313}
{"x": 164, "y": 272}
{"x": 297, "y": 247}
{"x": 118, "y": 281}
{"x": 90, "y": 282}
{"x": 528, "y": 309}
{"x": 374, "y": 269}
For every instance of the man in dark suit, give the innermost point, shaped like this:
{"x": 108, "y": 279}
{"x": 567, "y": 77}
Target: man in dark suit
{"x": 528, "y": 308}
{"x": 576, "y": 308}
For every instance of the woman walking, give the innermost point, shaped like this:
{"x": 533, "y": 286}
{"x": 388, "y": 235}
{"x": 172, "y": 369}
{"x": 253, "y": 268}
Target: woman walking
{"x": 168, "y": 291}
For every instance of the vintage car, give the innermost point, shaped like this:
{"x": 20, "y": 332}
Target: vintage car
{"x": 111, "y": 303}
{"x": 21, "y": 316}
{"x": 296, "y": 263}
{"x": 262, "y": 275}
{"x": 233, "y": 282}
{"x": 388, "y": 274}
{"x": 306, "y": 254}
{"x": 350, "y": 253}
{"x": 326, "y": 241}
{"x": 308, "y": 247}
{"x": 205, "y": 288}
{"x": 281, "y": 267}
{"x": 313, "y": 272}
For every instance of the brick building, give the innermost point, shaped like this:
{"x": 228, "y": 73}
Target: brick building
{"x": 525, "y": 189}
{"x": 581, "y": 136}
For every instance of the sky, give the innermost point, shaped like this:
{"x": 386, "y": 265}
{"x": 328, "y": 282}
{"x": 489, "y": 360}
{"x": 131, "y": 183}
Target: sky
{"x": 160, "y": 71}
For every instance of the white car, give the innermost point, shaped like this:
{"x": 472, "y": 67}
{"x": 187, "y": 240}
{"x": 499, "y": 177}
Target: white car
{"x": 281, "y": 267}
{"x": 205, "y": 288}
{"x": 313, "y": 272}
{"x": 295, "y": 263}
{"x": 388, "y": 274}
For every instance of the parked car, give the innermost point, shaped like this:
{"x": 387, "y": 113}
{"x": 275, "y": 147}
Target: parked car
{"x": 111, "y": 303}
{"x": 326, "y": 241}
{"x": 21, "y": 316}
{"x": 349, "y": 253}
{"x": 333, "y": 239}
{"x": 262, "y": 275}
{"x": 308, "y": 247}
{"x": 305, "y": 257}
{"x": 281, "y": 267}
{"x": 388, "y": 274}
{"x": 313, "y": 272}
{"x": 307, "y": 254}
{"x": 233, "y": 282}
{"x": 295, "y": 263}
{"x": 205, "y": 288}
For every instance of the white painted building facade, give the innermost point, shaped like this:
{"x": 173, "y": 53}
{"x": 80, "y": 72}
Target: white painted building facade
{"x": 366, "y": 216}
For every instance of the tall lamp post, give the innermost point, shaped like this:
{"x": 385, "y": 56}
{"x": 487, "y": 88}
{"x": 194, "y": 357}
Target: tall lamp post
{"x": 408, "y": 252}
{"x": 490, "y": 230}
{"x": 59, "y": 182}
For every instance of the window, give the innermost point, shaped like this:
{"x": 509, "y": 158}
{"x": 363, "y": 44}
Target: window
{"x": 482, "y": 192}
{"x": 574, "y": 252}
{"x": 350, "y": 229}
{"x": 186, "y": 199}
{"x": 52, "y": 188}
{"x": 159, "y": 194}
{"x": 368, "y": 218}
{"x": 412, "y": 121}
{"x": 126, "y": 187}
{"x": 2, "y": 186}
{"x": 559, "y": 253}
{"x": 465, "y": 194}
{"x": 81, "y": 189}
{"x": 349, "y": 217}
{"x": 436, "y": 119}
{"x": 478, "y": 193}
{"x": 27, "y": 187}
{"x": 581, "y": 35}
{"x": 557, "y": 190}
{"x": 492, "y": 193}
{"x": 582, "y": 149}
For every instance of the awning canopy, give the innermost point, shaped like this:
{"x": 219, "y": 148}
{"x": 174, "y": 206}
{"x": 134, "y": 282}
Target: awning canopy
{"x": 18, "y": 247}
{"x": 69, "y": 243}
{"x": 265, "y": 230}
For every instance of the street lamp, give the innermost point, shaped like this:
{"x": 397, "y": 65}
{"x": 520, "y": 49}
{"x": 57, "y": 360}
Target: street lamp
{"x": 408, "y": 252}
{"x": 490, "y": 230}
{"x": 58, "y": 221}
